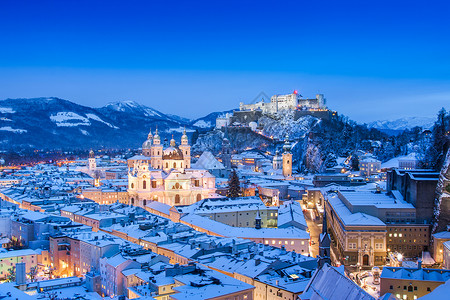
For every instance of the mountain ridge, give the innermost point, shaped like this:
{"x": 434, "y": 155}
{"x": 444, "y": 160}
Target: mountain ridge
{"x": 403, "y": 123}
{"x": 57, "y": 123}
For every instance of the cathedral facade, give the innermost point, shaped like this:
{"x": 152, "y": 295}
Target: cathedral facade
{"x": 163, "y": 173}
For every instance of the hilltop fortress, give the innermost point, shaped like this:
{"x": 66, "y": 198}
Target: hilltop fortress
{"x": 292, "y": 101}
{"x": 250, "y": 113}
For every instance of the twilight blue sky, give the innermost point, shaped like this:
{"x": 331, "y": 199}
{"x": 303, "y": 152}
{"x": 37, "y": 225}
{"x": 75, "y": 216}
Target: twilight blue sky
{"x": 371, "y": 59}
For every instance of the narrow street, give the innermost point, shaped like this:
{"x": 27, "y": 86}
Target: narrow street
{"x": 315, "y": 228}
{"x": 314, "y": 222}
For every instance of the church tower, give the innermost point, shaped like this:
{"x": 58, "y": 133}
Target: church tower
{"x": 324, "y": 243}
{"x": 91, "y": 161}
{"x": 147, "y": 145}
{"x": 226, "y": 151}
{"x": 156, "y": 152}
{"x": 287, "y": 158}
{"x": 186, "y": 150}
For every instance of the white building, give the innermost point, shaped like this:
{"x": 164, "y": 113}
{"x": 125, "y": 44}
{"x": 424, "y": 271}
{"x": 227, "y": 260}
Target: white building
{"x": 369, "y": 166}
{"x": 223, "y": 121}
{"x": 286, "y": 102}
{"x": 409, "y": 162}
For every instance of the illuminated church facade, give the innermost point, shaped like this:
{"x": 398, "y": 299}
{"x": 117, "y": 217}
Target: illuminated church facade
{"x": 163, "y": 173}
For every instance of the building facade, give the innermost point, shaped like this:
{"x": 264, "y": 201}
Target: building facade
{"x": 164, "y": 174}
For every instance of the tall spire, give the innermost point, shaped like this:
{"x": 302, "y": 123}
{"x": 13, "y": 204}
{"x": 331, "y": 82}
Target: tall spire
{"x": 324, "y": 243}
{"x": 324, "y": 222}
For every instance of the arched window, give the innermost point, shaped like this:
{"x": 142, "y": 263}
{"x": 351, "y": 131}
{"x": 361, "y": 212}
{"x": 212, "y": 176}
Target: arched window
{"x": 167, "y": 165}
{"x": 144, "y": 184}
{"x": 174, "y": 165}
{"x": 177, "y": 199}
{"x": 199, "y": 197}
{"x": 181, "y": 165}
{"x": 132, "y": 185}
{"x": 144, "y": 202}
{"x": 132, "y": 201}
{"x": 153, "y": 184}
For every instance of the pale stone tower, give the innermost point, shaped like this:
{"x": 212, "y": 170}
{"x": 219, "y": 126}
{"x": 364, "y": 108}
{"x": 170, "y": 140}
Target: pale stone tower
{"x": 92, "y": 163}
{"x": 157, "y": 151}
{"x": 186, "y": 150}
{"x": 287, "y": 158}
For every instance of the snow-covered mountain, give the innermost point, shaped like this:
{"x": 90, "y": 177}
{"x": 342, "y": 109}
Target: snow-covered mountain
{"x": 56, "y": 123}
{"x": 403, "y": 123}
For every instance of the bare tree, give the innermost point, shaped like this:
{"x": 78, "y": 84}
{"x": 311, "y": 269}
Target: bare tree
{"x": 33, "y": 273}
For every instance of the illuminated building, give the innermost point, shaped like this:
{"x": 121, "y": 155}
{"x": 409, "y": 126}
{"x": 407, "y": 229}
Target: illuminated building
{"x": 164, "y": 174}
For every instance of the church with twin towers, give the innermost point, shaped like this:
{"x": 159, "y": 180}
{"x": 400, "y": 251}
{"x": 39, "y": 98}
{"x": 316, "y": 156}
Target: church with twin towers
{"x": 163, "y": 173}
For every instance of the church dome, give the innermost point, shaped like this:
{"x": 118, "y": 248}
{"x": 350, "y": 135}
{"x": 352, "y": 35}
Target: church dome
{"x": 172, "y": 153}
{"x": 91, "y": 154}
{"x": 147, "y": 144}
{"x": 173, "y": 143}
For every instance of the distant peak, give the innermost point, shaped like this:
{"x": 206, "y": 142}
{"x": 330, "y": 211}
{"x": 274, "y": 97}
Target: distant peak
{"x": 131, "y": 103}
